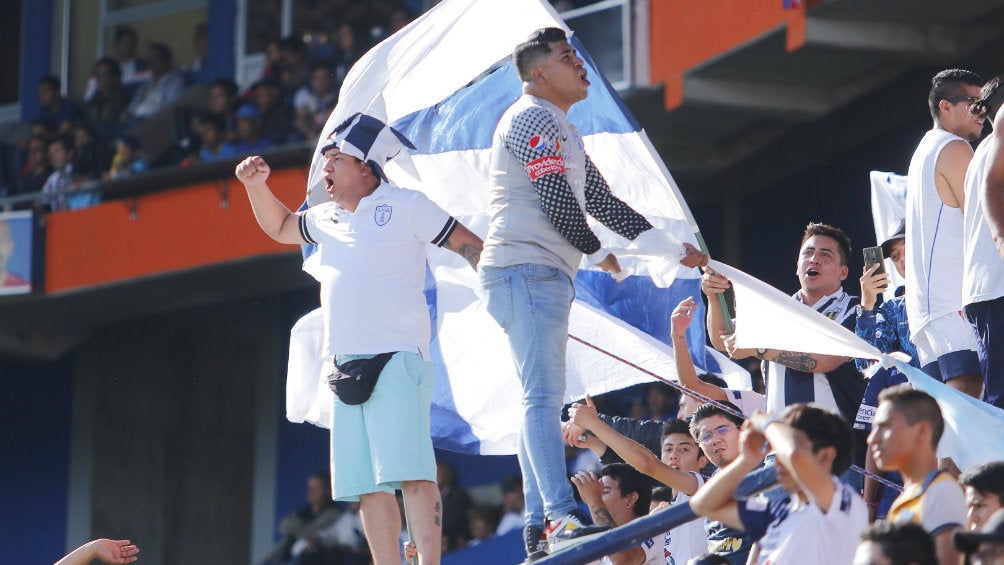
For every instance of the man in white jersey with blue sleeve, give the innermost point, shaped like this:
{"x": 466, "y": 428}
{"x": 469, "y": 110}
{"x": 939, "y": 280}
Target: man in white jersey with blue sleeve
{"x": 935, "y": 197}
{"x": 372, "y": 239}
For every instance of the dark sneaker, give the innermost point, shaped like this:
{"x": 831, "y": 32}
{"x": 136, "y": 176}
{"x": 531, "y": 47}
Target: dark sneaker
{"x": 536, "y": 543}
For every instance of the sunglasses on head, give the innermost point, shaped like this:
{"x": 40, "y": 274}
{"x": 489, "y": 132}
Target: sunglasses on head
{"x": 977, "y": 105}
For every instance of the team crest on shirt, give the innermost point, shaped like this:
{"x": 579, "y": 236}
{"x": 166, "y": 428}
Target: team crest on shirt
{"x": 537, "y": 143}
{"x": 382, "y": 214}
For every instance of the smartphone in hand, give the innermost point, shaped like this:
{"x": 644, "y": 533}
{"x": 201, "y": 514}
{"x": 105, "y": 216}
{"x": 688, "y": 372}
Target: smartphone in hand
{"x": 872, "y": 256}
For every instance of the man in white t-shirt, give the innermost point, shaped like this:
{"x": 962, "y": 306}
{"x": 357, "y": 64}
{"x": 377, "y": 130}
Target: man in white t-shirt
{"x": 821, "y": 517}
{"x": 946, "y": 344}
{"x": 372, "y": 239}
{"x": 983, "y": 273}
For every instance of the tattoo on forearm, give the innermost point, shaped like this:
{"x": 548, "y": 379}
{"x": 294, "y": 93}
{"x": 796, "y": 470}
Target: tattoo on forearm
{"x": 795, "y": 360}
{"x": 601, "y": 516}
{"x": 471, "y": 253}
{"x": 437, "y": 515}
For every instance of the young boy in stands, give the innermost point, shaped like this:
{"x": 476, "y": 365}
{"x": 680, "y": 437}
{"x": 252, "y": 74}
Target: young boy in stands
{"x": 619, "y": 495}
{"x": 678, "y": 468}
{"x": 821, "y": 515}
{"x": 984, "y": 486}
{"x": 905, "y": 434}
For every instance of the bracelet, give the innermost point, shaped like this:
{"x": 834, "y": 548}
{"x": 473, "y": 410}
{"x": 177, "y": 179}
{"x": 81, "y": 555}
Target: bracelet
{"x": 684, "y": 336}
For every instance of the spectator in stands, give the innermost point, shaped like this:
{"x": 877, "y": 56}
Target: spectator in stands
{"x": 60, "y": 181}
{"x": 249, "y": 136}
{"x": 294, "y": 67}
{"x": 224, "y": 100}
{"x": 111, "y": 98}
{"x": 400, "y": 16}
{"x": 794, "y": 377}
{"x": 512, "y": 505}
{"x": 456, "y": 504}
{"x": 128, "y": 159}
{"x": 708, "y": 559}
{"x": 347, "y": 538}
{"x": 275, "y": 114}
{"x": 313, "y": 103}
{"x": 904, "y": 438}
{"x": 482, "y": 521}
{"x": 55, "y": 108}
{"x": 165, "y": 85}
{"x": 90, "y": 158}
{"x": 134, "y": 70}
{"x": 212, "y": 130}
{"x": 886, "y": 327}
{"x": 619, "y": 495}
{"x": 36, "y": 169}
{"x": 748, "y": 401}
{"x": 983, "y": 271}
{"x": 935, "y": 184}
{"x": 196, "y": 72}
{"x": 299, "y": 530}
{"x": 350, "y": 49}
{"x": 814, "y": 524}
{"x": 660, "y": 403}
{"x": 984, "y": 487}
{"x": 105, "y": 550}
{"x": 986, "y": 546}
{"x": 885, "y": 543}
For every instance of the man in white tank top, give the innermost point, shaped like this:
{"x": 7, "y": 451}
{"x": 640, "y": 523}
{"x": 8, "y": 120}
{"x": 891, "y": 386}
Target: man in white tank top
{"x": 935, "y": 199}
{"x": 983, "y": 277}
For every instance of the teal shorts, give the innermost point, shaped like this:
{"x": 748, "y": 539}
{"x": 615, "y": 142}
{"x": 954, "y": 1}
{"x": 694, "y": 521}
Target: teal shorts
{"x": 387, "y": 439}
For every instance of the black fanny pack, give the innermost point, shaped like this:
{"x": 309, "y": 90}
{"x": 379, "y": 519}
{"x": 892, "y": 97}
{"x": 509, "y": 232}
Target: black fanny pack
{"x": 353, "y": 381}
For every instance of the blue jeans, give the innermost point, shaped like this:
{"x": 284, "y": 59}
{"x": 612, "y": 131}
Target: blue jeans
{"x": 532, "y": 302}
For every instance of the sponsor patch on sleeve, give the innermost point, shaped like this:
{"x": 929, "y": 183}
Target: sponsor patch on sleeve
{"x": 537, "y": 143}
{"x": 545, "y": 166}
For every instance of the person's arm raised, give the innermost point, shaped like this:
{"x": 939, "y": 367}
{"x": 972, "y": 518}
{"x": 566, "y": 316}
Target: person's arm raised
{"x": 274, "y": 218}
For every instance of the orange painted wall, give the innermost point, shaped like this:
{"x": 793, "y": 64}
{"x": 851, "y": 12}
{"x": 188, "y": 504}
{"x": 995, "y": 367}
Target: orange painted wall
{"x": 174, "y": 230}
{"x": 687, "y": 32}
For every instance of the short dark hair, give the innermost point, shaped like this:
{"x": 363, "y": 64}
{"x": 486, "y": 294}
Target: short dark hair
{"x": 709, "y": 409}
{"x": 824, "y": 429}
{"x": 65, "y": 140}
{"x": 832, "y": 232}
{"x": 50, "y": 80}
{"x": 631, "y": 480}
{"x": 713, "y": 379}
{"x": 536, "y": 46}
{"x": 163, "y": 49}
{"x": 903, "y": 544}
{"x": 678, "y": 426}
{"x": 992, "y": 95}
{"x": 228, "y": 86}
{"x": 215, "y": 121}
{"x": 948, "y": 84}
{"x": 986, "y": 479}
{"x": 916, "y": 405}
{"x": 124, "y": 31}
{"x": 709, "y": 559}
{"x": 114, "y": 68}
{"x": 662, "y": 493}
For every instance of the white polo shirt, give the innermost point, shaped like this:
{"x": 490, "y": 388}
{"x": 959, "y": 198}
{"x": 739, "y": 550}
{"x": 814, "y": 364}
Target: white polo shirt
{"x": 372, "y": 270}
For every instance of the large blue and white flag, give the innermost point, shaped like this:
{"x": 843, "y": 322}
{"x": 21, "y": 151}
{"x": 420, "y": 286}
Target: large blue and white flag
{"x": 768, "y": 318}
{"x": 444, "y": 81}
